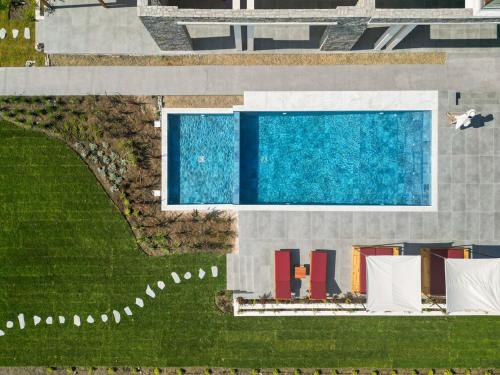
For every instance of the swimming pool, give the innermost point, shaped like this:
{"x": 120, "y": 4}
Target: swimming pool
{"x": 372, "y": 158}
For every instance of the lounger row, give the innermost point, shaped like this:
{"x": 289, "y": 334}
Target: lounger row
{"x": 283, "y": 271}
{"x": 432, "y": 266}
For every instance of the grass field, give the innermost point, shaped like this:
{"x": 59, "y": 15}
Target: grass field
{"x": 65, "y": 249}
{"x": 15, "y": 52}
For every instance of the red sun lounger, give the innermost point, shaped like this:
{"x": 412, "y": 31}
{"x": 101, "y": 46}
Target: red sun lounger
{"x": 359, "y": 255}
{"x": 433, "y": 278}
{"x": 282, "y": 275}
{"x": 317, "y": 281}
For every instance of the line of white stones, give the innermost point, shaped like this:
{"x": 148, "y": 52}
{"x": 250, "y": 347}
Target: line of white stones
{"x": 116, "y": 314}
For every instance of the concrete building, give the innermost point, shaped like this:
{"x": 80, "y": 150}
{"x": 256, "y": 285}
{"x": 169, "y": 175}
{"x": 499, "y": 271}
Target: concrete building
{"x": 322, "y": 25}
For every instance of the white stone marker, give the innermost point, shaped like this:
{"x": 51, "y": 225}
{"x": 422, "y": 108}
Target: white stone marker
{"x": 22, "y": 323}
{"x": 90, "y": 320}
{"x": 49, "y": 320}
{"x": 127, "y": 311}
{"x": 139, "y": 302}
{"x": 161, "y": 285}
{"x": 36, "y": 320}
{"x": 150, "y": 292}
{"x": 62, "y": 319}
{"x": 3, "y": 33}
{"x": 215, "y": 271}
{"x": 201, "y": 273}
{"x": 9, "y": 324}
{"x": 27, "y": 34}
{"x": 187, "y": 275}
{"x": 76, "y": 321}
{"x": 176, "y": 277}
{"x": 117, "y": 316}
{"x": 104, "y": 318}
{"x": 15, "y": 33}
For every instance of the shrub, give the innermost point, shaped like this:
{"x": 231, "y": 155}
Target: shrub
{"x": 276, "y": 371}
{"x": 316, "y": 372}
{"x": 111, "y": 370}
{"x": 156, "y": 371}
{"x": 394, "y": 372}
{"x": 114, "y": 188}
{"x": 207, "y": 371}
{"x": 233, "y": 371}
{"x": 94, "y": 159}
{"x": 92, "y": 146}
{"x": 255, "y": 371}
{"x": 112, "y": 176}
{"x": 105, "y": 145}
{"x": 126, "y": 202}
{"x": 106, "y": 160}
{"x": 374, "y": 372}
{"x": 180, "y": 371}
{"x": 430, "y": 372}
{"x": 100, "y": 153}
{"x": 50, "y": 370}
{"x": 118, "y": 180}
{"x": 122, "y": 171}
{"x": 297, "y": 372}
{"x": 414, "y": 372}
{"x": 84, "y": 153}
{"x": 126, "y": 212}
{"x": 448, "y": 372}
{"x": 112, "y": 167}
{"x": 113, "y": 156}
{"x": 488, "y": 372}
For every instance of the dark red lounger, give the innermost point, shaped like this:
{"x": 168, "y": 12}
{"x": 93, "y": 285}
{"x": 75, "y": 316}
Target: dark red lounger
{"x": 317, "y": 281}
{"x": 282, "y": 275}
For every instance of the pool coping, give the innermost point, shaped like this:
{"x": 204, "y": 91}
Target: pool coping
{"x": 300, "y": 101}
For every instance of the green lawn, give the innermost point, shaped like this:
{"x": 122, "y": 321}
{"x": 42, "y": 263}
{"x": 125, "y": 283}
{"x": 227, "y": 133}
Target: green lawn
{"x": 15, "y": 52}
{"x": 65, "y": 249}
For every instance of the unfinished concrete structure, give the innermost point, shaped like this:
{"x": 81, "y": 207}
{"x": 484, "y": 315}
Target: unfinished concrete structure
{"x": 323, "y": 25}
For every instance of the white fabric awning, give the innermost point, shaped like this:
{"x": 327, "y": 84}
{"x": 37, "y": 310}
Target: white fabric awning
{"x": 393, "y": 284}
{"x": 473, "y": 285}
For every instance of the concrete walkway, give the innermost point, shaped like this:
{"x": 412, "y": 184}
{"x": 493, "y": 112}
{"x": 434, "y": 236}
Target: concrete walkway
{"x": 463, "y": 71}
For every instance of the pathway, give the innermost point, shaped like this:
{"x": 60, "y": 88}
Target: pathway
{"x": 104, "y": 317}
{"x": 463, "y": 71}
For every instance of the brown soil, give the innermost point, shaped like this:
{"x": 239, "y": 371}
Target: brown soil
{"x": 358, "y": 58}
{"x": 203, "y": 101}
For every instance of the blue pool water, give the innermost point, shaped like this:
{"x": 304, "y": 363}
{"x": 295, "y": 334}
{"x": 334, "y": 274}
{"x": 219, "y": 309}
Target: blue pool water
{"x": 200, "y": 153}
{"x": 323, "y": 158}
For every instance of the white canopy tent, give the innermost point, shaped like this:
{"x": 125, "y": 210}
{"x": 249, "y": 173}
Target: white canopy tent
{"x": 472, "y": 286}
{"x": 393, "y": 284}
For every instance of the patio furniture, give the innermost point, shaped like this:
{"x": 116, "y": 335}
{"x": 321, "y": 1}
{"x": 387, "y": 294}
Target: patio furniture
{"x": 300, "y": 272}
{"x": 359, "y": 254}
{"x": 433, "y": 275}
{"x": 317, "y": 281}
{"x": 282, "y": 275}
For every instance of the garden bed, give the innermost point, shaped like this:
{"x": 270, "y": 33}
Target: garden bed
{"x": 116, "y": 138}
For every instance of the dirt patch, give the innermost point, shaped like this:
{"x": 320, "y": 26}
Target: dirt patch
{"x": 115, "y": 136}
{"x": 203, "y": 101}
{"x": 362, "y": 58}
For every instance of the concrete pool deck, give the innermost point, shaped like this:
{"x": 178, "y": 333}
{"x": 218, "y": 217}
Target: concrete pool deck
{"x": 468, "y": 208}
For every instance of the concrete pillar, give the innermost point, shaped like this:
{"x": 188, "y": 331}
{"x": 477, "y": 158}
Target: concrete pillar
{"x": 403, "y": 33}
{"x": 387, "y": 36}
{"x": 237, "y": 38}
{"x": 236, "y": 4}
{"x": 344, "y": 35}
{"x": 250, "y": 4}
{"x": 250, "y": 37}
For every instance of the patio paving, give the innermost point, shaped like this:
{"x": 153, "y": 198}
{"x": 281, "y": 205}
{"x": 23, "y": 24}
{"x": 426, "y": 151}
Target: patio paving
{"x": 468, "y": 209}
